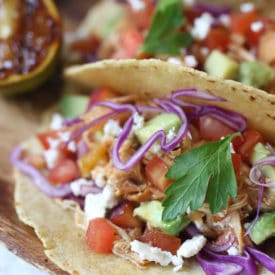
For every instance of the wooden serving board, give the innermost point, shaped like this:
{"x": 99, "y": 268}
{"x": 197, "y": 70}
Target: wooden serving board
{"x": 20, "y": 117}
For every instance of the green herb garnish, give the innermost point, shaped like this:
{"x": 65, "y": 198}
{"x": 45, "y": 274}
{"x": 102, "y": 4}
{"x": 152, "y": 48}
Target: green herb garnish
{"x": 164, "y": 36}
{"x": 202, "y": 174}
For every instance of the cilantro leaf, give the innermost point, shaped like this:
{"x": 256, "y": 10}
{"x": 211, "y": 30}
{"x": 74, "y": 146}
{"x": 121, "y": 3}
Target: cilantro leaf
{"x": 164, "y": 36}
{"x": 203, "y": 173}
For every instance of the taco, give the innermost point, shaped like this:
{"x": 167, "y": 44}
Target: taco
{"x": 166, "y": 175}
{"x": 231, "y": 40}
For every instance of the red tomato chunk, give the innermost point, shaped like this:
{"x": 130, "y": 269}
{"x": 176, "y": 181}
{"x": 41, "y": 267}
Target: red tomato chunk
{"x": 161, "y": 240}
{"x": 100, "y": 235}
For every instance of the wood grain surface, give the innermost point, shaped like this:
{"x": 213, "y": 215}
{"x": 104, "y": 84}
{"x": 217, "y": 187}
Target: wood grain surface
{"x": 20, "y": 117}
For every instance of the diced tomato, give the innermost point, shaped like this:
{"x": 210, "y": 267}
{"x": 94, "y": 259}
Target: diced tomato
{"x": 142, "y": 17}
{"x": 120, "y": 54}
{"x": 217, "y": 38}
{"x": 89, "y": 45}
{"x": 212, "y": 129}
{"x": 98, "y": 155}
{"x": 155, "y": 172}
{"x": 122, "y": 215}
{"x": 161, "y": 240}
{"x": 45, "y": 136}
{"x": 241, "y": 21}
{"x": 266, "y": 46}
{"x": 236, "y": 161}
{"x": 131, "y": 41}
{"x": 100, "y": 235}
{"x": 250, "y": 139}
{"x": 100, "y": 94}
{"x": 64, "y": 171}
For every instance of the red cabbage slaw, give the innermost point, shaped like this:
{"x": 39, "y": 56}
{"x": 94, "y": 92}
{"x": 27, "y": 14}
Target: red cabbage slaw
{"x": 213, "y": 261}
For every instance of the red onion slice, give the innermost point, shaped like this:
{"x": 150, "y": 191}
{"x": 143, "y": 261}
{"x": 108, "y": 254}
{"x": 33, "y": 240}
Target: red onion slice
{"x": 211, "y": 267}
{"x": 41, "y": 182}
{"x": 88, "y": 126}
{"x": 215, "y": 11}
{"x": 255, "y": 174}
{"x": 70, "y": 122}
{"x": 262, "y": 258}
{"x": 159, "y": 135}
{"x": 246, "y": 262}
{"x": 232, "y": 119}
{"x": 195, "y": 93}
{"x": 220, "y": 248}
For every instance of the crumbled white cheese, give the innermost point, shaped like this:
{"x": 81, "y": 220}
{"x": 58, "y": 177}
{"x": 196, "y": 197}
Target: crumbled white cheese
{"x": 156, "y": 148}
{"x": 256, "y": 26}
{"x": 51, "y": 155}
{"x": 138, "y": 121}
{"x": 53, "y": 143}
{"x": 171, "y": 134}
{"x": 72, "y": 146}
{"x": 174, "y": 60}
{"x": 233, "y": 251}
{"x": 202, "y": 26}
{"x": 191, "y": 61}
{"x": 247, "y": 7}
{"x": 155, "y": 254}
{"x": 137, "y": 5}
{"x": 56, "y": 122}
{"x": 64, "y": 136}
{"x": 225, "y": 20}
{"x": 76, "y": 186}
{"x": 112, "y": 128}
{"x": 188, "y": 3}
{"x": 191, "y": 247}
{"x": 95, "y": 205}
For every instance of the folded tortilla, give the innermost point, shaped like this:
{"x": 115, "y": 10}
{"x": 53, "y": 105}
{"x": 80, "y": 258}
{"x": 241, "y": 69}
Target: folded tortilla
{"x": 64, "y": 242}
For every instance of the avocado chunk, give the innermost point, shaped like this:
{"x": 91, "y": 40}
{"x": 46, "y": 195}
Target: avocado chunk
{"x": 255, "y": 73}
{"x": 259, "y": 152}
{"x": 72, "y": 105}
{"x": 151, "y": 212}
{"x": 264, "y": 228}
{"x": 165, "y": 121}
{"x": 220, "y": 65}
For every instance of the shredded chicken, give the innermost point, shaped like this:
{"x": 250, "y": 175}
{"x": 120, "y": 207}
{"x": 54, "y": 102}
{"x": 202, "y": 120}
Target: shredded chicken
{"x": 240, "y": 54}
{"x": 122, "y": 248}
{"x": 79, "y": 216}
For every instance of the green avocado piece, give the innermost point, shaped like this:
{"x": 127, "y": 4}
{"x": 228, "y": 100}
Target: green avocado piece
{"x": 255, "y": 73}
{"x": 220, "y": 65}
{"x": 151, "y": 212}
{"x": 259, "y": 152}
{"x": 264, "y": 228}
{"x": 72, "y": 105}
{"x": 165, "y": 121}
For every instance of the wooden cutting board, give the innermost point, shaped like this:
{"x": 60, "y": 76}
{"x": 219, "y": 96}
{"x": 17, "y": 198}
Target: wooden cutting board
{"x": 20, "y": 117}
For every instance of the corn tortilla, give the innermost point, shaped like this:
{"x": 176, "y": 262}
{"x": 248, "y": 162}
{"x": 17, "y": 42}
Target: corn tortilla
{"x": 64, "y": 242}
{"x": 155, "y": 78}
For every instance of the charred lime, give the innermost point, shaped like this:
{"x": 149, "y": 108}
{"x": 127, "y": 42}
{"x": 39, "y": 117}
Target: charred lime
{"x": 30, "y": 39}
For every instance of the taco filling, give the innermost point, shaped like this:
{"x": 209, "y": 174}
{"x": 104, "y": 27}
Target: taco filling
{"x": 230, "y": 43}
{"x": 161, "y": 181}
